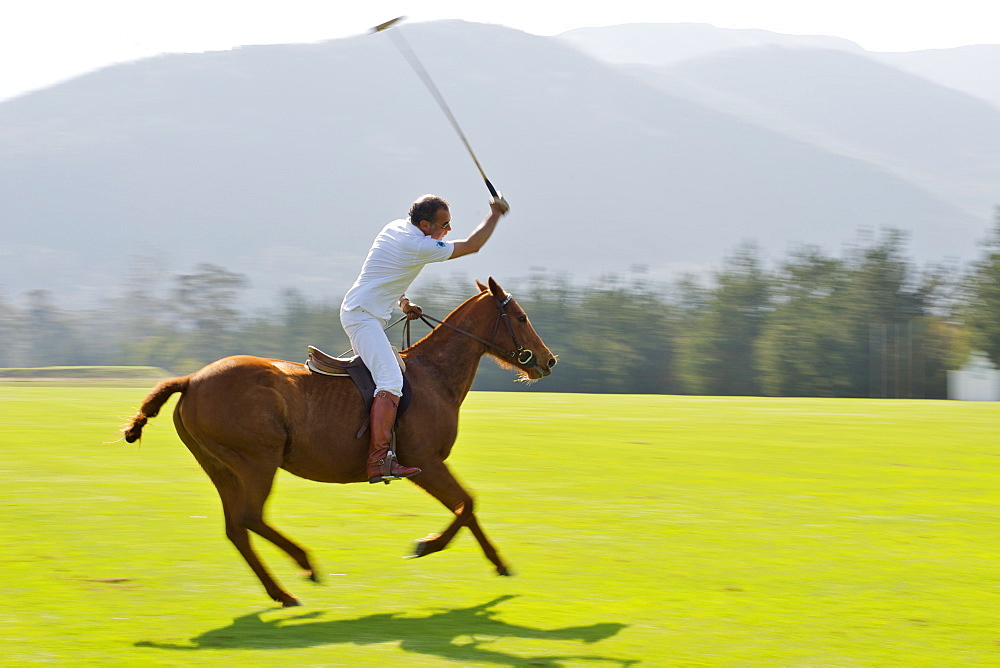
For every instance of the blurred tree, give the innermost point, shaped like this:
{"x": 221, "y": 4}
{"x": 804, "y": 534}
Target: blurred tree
{"x": 288, "y": 331}
{"x": 611, "y": 336}
{"x": 136, "y": 326}
{"x": 629, "y": 333}
{"x": 205, "y": 303}
{"x": 943, "y": 343}
{"x": 803, "y": 350}
{"x": 865, "y": 324}
{"x": 142, "y": 312}
{"x": 50, "y": 337}
{"x": 981, "y": 312}
{"x": 718, "y": 337}
{"x": 11, "y": 330}
{"x": 884, "y": 306}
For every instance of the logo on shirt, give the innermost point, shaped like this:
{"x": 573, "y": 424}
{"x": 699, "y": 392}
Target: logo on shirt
{"x": 441, "y": 244}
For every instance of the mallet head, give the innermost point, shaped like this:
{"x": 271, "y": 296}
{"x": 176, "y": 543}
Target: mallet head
{"x": 388, "y": 24}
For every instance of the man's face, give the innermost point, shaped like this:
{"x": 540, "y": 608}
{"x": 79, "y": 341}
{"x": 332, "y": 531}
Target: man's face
{"x": 439, "y": 226}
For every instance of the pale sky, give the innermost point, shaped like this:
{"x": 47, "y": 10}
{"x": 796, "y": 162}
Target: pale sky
{"x": 45, "y": 41}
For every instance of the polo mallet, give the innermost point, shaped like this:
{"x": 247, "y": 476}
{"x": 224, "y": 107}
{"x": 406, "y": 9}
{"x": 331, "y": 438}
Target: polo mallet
{"x": 411, "y": 57}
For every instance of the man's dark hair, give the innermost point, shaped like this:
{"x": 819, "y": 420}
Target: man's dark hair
{"x": 425, "y": 208}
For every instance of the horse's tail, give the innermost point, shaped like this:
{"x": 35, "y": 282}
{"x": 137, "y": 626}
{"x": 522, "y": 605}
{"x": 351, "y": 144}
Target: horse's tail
{"x": 152, "y": 404}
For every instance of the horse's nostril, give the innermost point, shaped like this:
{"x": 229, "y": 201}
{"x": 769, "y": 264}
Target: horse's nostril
{"x": 552, "y": 362}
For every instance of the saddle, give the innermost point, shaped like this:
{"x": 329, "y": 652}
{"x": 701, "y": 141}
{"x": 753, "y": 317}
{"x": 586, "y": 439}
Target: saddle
{"x": 326, "y": 365}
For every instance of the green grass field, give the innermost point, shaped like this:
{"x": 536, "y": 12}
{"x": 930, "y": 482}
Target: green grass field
{"x": 645, "y": 530}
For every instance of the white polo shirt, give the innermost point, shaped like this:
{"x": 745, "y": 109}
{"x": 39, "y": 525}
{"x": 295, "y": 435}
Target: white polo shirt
{"x": 398, "y": 254}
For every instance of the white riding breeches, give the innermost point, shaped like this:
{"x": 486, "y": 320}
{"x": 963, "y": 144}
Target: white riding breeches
{"x": 369, "y": 340}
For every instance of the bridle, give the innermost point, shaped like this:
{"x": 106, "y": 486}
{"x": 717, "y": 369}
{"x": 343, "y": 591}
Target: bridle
{"x": 523, "y": 356}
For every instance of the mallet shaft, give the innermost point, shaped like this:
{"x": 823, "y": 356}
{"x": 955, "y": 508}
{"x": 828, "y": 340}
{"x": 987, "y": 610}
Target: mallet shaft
{"x": 418, "y": 67}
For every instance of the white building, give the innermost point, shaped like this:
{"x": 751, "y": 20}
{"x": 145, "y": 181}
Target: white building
{"x": 978, "y": 380}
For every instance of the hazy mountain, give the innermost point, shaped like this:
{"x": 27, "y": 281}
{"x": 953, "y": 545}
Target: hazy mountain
{"x": 857, "y": 107}
{"x": 282, "y": 162}
{"x": 971, "y": 69}
{"x": 885, "y": 108}
{"x": 662, "y": 44}
{"x": 974, "y": 70}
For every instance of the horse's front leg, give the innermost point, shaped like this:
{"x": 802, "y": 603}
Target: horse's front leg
{"x": 441, "y": 484}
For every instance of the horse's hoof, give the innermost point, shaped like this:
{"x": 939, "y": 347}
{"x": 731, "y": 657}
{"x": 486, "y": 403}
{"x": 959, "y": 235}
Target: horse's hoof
{"x": 505, "y": 571}
{"x": 310, "y": 575}
{"x": 291, "y": 604}
{"x": 419, "y": 549}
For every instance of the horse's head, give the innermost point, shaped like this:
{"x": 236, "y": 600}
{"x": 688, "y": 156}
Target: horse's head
{"x": 517, "y": 344}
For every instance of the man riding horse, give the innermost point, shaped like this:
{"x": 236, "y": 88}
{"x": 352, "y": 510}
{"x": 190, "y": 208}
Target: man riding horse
{"x": 395, "y": 259}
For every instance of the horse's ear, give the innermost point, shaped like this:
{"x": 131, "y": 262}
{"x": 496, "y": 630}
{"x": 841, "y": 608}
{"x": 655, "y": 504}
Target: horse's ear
{"x": 496, "y": 289}
{"x": 482, "y": 288}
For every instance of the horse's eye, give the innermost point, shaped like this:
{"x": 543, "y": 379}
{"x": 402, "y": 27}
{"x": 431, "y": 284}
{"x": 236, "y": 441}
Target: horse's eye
{"x": 522, "y": 318}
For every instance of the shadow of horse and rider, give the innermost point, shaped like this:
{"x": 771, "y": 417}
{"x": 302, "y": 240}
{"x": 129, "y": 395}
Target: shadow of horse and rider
{"x": 462, "y": 634}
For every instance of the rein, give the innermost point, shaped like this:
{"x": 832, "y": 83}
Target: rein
{"x": 524, "y": 356}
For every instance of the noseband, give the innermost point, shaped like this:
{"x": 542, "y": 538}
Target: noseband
{"x": 523, "y": 356}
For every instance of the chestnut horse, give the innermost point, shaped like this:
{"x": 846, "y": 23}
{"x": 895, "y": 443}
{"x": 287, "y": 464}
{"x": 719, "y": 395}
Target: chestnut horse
{"x": 245, "y": 417}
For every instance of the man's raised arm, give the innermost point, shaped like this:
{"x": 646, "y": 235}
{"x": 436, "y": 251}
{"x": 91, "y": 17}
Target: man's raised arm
{"x": 481, "y": 234}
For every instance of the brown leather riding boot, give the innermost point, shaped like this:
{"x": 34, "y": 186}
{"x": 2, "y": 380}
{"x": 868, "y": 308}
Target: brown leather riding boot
{"x": 382, "y": 464}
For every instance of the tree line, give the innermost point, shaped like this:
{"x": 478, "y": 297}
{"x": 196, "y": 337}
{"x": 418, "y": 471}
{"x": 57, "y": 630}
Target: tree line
{"x": 867, "y": 324}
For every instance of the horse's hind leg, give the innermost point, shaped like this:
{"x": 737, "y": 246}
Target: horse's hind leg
{"x": 256, "y": 488}
{"x": 441, "y": 484}
{"x": 243, "y": 490}
{"x": 238, "y": 510}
